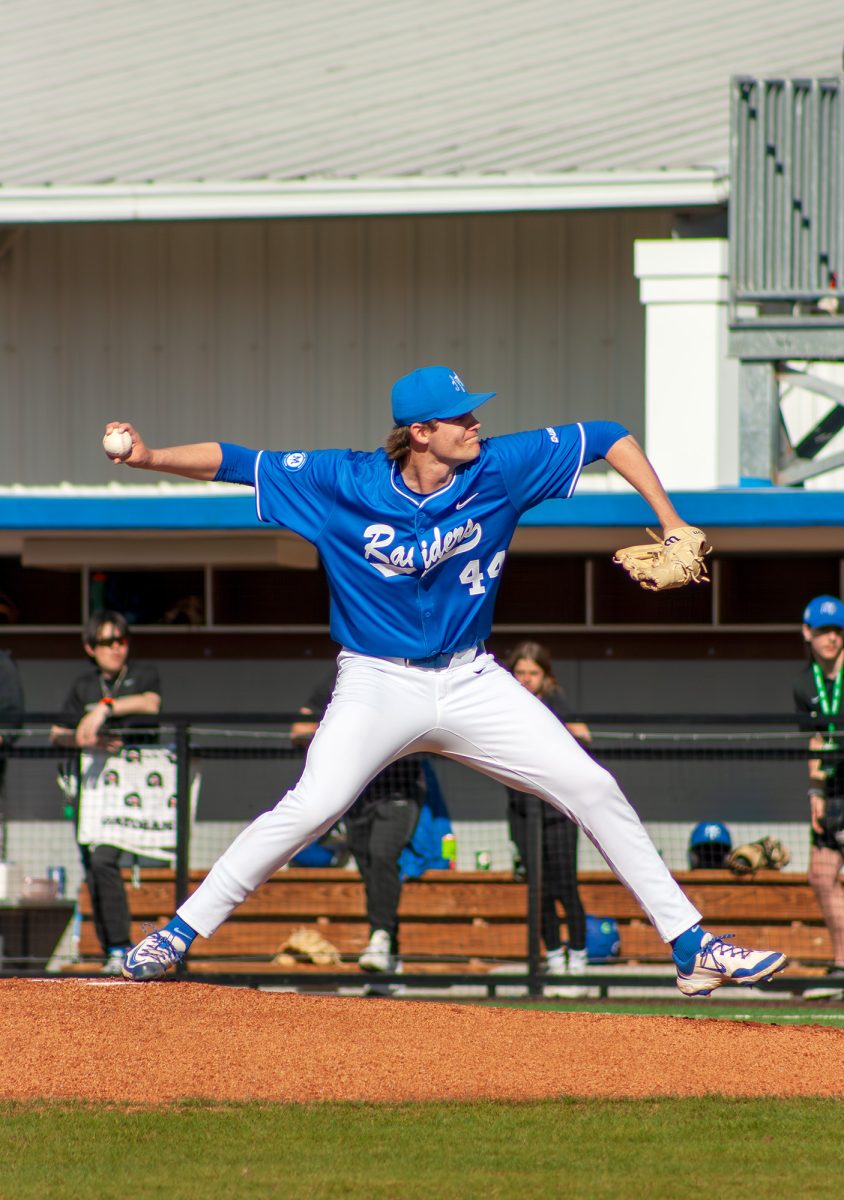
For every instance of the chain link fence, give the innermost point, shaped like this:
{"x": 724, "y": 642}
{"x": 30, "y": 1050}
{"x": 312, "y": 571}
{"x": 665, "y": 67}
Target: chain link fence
{"x": 486, "y": 917}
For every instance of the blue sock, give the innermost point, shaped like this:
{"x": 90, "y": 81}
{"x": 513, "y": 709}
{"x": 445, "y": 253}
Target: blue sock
{"x": 182, "y": 930}
{"x": 686, "y": 946}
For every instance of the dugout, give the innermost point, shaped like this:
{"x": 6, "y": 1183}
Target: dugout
{"x": 236, "y": 619}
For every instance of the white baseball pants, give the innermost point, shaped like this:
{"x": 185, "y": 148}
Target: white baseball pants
{"x": 473, "y": 712}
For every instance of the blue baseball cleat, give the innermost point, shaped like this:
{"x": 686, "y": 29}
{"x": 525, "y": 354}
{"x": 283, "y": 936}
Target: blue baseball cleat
{"x": 718, "y": 961}
{"x": 153, "y": 957}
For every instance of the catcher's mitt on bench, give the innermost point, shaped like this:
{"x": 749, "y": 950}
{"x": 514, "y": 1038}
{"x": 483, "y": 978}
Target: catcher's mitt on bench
{"x": 669, "y": 563}
{"x": 768, "y": 853}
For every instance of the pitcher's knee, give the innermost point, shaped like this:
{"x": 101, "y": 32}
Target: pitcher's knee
{"x": 595, "y": 794}
{"x": 301, "y": 816}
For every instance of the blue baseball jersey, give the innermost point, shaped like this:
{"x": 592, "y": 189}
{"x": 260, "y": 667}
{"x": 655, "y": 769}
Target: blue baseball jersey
{"x": 415, "y": 575}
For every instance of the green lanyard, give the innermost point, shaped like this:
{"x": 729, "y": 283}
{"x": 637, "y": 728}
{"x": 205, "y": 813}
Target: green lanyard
{"x": 829, "y": 708}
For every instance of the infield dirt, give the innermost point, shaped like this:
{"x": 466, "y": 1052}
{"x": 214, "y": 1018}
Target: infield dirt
{"x": 156, "y": 1043}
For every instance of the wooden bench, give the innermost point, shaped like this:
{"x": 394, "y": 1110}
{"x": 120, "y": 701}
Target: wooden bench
{"x": 468, "y": 921}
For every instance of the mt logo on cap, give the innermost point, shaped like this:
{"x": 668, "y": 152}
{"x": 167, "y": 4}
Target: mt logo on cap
{"x": 823, "y": 611}
{"x": 433, "y": 393}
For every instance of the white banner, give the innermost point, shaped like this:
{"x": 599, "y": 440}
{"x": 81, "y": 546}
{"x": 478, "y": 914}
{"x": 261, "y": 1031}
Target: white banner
{"x": 129, "y": 800}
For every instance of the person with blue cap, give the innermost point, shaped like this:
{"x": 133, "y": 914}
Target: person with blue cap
{"x": 413, "y": 538}
{"x": 817, "y": 697}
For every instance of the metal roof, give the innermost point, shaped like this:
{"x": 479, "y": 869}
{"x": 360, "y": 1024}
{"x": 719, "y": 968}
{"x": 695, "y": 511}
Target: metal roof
{"x": 100, "y": 95}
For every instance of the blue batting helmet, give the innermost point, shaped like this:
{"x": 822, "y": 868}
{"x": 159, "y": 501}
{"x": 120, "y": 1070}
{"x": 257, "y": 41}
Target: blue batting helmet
{"x": 602, "y": 938}
{"x": 709, "y": 845}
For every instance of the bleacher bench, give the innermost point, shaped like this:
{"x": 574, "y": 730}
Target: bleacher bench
{"x": 468, "y": 921}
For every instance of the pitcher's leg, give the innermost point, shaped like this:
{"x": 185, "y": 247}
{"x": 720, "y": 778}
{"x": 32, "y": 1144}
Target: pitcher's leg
{"x": 368, "y": 723}
{"x": 494, "y": 725}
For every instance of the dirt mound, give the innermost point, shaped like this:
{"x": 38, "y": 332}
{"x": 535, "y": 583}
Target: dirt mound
{"x": 109, "y": 1040}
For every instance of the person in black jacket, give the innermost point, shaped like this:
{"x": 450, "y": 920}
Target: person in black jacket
{"x": 11, "y": 712}
{"x": 112, "y": 696}
{"x": 530, "y": 663}
{"x": 818, "y": 698}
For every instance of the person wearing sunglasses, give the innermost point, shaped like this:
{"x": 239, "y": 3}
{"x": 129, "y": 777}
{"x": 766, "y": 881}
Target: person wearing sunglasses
{"x": 110, "y": 697}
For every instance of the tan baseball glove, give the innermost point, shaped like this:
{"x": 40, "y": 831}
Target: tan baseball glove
{"x": 669, "y": 563}
{"x": 310, "y": 944}
{"x": 768, "y": 853}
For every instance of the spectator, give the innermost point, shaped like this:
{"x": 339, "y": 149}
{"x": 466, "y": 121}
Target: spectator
{"x": 11, "y": 712}
{"x": 379, "y": 825}
{"x": 817, "y": 697}
{"x": 530, "y": 663}
{"x": 108, "y": 698}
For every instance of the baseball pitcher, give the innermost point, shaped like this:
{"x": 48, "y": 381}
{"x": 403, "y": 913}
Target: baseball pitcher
{"x": 414, "y": 538}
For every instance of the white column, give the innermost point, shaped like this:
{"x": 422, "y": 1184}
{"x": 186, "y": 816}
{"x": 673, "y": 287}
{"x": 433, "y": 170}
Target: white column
{"x": 691, "y": 386}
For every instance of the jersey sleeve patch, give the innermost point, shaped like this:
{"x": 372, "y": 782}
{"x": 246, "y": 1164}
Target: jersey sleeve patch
{"x": 294, "y": 460}
{"x": 296, "y": 489}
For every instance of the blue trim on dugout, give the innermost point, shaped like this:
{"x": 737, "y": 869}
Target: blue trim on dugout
{"x": 81, "y": 513}
{"x": 737, "y": 507}
{"x": 740, "y": 507}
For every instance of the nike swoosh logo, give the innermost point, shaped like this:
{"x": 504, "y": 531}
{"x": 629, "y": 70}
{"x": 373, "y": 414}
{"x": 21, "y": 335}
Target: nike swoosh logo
{"x": 463, "y": 503}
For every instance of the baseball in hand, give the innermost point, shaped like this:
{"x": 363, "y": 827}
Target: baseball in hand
{"x": 116, "y": 444}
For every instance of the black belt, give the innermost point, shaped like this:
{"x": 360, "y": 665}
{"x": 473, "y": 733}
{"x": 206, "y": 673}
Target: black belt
{"x": 436, "y": 662}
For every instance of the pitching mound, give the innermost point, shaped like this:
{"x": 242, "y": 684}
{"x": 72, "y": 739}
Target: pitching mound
{"x": 153, "y": 1043}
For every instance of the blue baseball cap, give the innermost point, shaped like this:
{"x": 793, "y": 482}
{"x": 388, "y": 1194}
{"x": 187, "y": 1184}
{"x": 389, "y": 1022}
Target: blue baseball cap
{"x": 431, "y": 393}
{"x": 823, "y": 611}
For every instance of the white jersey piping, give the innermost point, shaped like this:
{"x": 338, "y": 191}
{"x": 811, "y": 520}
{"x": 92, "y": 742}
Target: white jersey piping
{"x": 579, "y": 461}
{"x": 257, "y": 492}
{"x": 418, "y": 503}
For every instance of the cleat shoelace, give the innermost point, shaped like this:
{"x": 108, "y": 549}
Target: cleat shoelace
{"x": 722, "y": 942}
{"x": 159, "y": 948}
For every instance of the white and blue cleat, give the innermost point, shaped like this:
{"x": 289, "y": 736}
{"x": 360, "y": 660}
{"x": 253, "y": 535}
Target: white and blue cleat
{"x": 719, "y": 961}
{"x": 153, "y": 957}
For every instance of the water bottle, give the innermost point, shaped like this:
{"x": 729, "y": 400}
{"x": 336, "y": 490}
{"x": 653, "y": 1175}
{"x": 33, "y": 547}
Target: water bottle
{"x": 59, "y": 877}
{"x": 449, "y": 850}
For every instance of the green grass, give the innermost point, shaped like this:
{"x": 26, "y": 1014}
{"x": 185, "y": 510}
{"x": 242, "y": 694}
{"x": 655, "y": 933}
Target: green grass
{"x": 567, "y": 1148}
{"x": 830, "y": 1016}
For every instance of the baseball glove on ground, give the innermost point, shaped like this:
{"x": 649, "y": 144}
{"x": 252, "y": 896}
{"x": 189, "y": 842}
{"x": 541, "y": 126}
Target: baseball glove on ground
{"x": 310, "y": 944}
{"x": 669, "y": 563}
{"x": 766, "y": 853}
